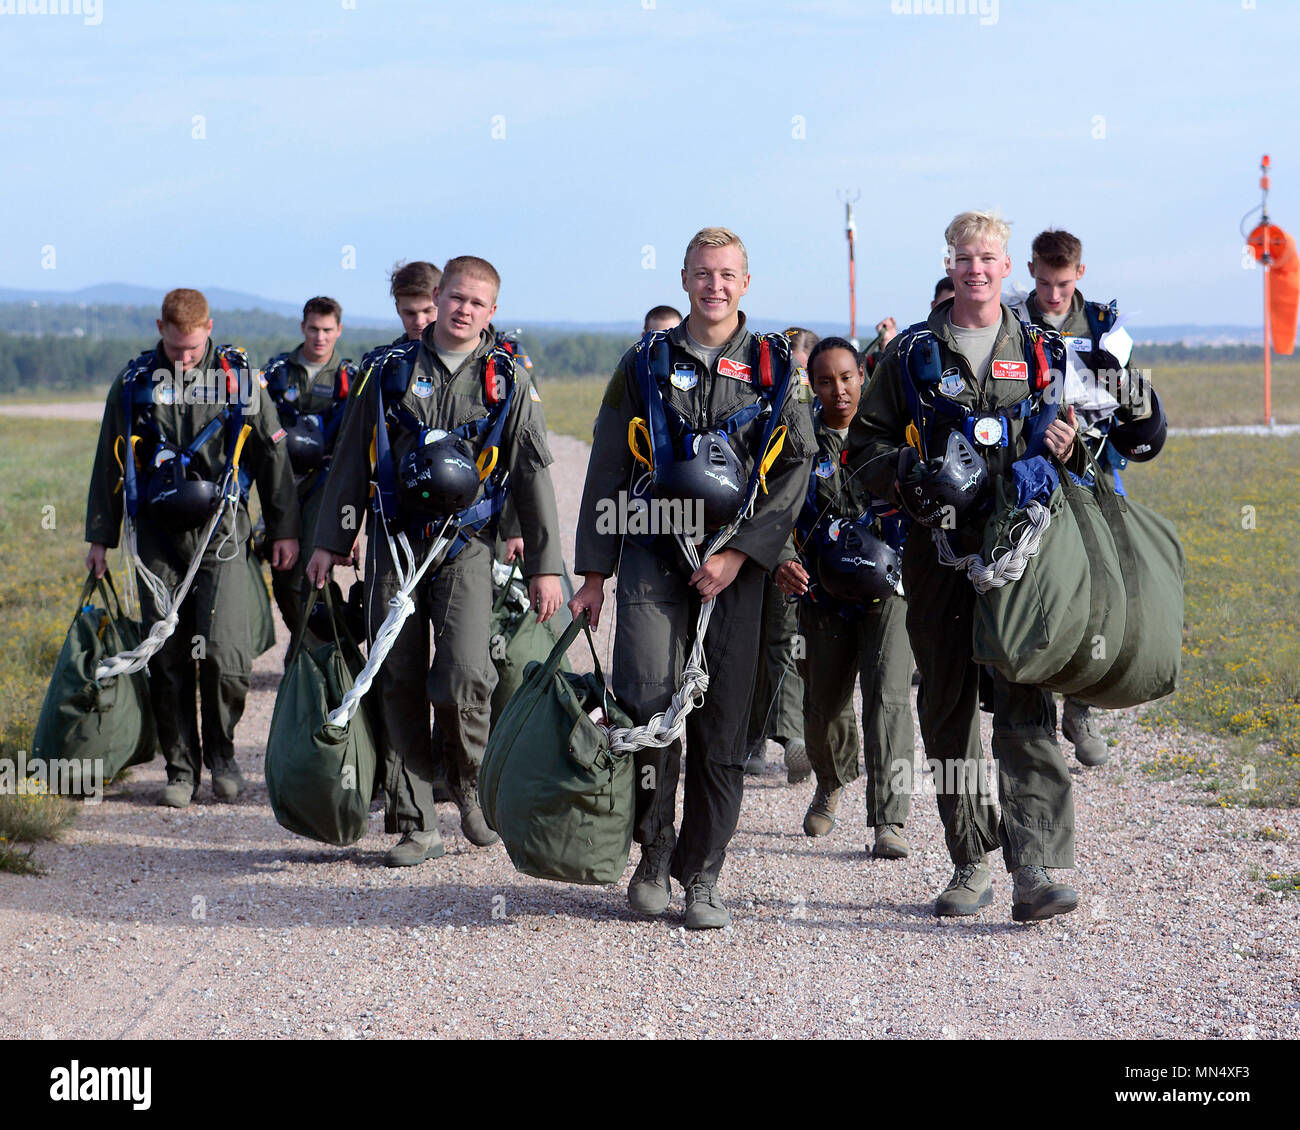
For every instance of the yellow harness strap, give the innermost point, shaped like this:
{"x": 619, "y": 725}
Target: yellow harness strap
{"x": 637, "y": 427}
{"x": 484, "y": 472}
{"x": 774, "y": 446}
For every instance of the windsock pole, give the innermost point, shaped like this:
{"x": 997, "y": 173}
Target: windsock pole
{"x": 1265, "y": 260}
{"x": 850, "y": 232}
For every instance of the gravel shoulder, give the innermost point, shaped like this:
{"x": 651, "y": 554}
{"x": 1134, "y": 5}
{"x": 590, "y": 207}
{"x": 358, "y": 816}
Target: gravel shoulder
{"x": 214, "y": 921}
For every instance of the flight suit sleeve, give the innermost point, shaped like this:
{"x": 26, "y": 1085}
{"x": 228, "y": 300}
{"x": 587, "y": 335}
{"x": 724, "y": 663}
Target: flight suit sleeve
{"x": 763, "y": 535}
{"x": 878, "y": 431}
{"x": 104, "y": 499}
{"x": 276, "y": 489}
{"x": 346, "y": 489}
{"x": 508, "y": 523}
{"x": 529, "y": 459}
{"x": 609, "y": 470}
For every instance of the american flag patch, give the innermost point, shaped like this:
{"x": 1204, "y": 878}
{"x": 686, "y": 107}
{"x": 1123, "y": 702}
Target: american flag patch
{"x": 532, "y": 394}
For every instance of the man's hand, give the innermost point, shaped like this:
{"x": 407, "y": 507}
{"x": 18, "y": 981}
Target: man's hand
{"x": 887, "y": 328}
{"x": 791, "y": 578}
{"x": 545, "y": 595}
{"x": 514, "y": 549}
{"x": 321, "y": 563}
{"x": 717, "y": 572}
{"x": 97, "y": 559}
{"x": 1059, "y": 438}
{"x": 284, "y": 552}
{"x": 589, "y": 598}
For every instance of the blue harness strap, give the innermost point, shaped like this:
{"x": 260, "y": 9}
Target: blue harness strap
{"x": 396, "y": 364}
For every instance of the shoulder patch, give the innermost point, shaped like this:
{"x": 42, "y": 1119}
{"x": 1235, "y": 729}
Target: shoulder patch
{"x": 532, "y": 394}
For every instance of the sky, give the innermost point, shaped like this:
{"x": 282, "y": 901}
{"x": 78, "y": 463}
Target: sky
{"x": 300, "y": 147}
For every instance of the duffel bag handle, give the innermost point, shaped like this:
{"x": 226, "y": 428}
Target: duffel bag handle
{"x": 577, "y": 624}
{"x": 107, "y": 591}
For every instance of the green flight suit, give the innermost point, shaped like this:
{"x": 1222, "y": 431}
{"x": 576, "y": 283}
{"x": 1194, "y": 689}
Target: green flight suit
{"x": 657, "y": 607}
{"x": 843, "y": 645}
{"x": 1037, "y": 818}
{"x": 211, "y": 649}
{"x": 456, "y": 600}
{"x": 303, "y": 396}
{"x": 777, "y": 710}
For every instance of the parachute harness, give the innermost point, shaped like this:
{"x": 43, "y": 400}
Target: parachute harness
{"x": 167, "y": 602}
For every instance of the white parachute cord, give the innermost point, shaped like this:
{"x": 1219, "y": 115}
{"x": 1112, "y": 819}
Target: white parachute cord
{"x": 400, "y": 606}
{"x": 1026, "y": 538}
{"x": 167, "y": 604}
{"x": 668, "y": 725}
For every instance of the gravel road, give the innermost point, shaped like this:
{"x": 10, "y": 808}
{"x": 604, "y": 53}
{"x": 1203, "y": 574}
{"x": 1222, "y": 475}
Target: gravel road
{"x": 215, "y": 922}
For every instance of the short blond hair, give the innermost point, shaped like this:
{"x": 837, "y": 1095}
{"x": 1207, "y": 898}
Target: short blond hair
{"x": 971, "y": 227}
{"x": 470, "y": 267}
{"x": 716, "y": 237}
{"x": 185, "y": 309}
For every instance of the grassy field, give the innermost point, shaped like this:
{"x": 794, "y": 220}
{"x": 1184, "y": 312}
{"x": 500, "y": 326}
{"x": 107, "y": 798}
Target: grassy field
{"x": 1199, "y": 394}
{"x": 44, "y": 465}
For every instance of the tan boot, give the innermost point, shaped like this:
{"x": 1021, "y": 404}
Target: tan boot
{"x": 890, "y": 843}
{"x": 820, "y": 817}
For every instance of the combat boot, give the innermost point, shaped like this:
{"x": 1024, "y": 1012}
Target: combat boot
{"x": 797, "y": 766}
{"x": 650, "y": 889}
{"x": 890, "y": 843}
{"x": 820, "y": 817}
{"x": 1035, "y": 896}
{"x": 472, "y": 821}
{"x": 177, "y": 794}
{"x": 969, "y": 890}
{"x": 756, "y": 759}
{"x": 414, "y": 848}
{"x": 704, "y": 910}
{"x": 227, "y": 782}
{"x": 1078, "y": 727}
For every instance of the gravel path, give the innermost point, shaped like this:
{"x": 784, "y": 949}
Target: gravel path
{"x": 215, "y": 922}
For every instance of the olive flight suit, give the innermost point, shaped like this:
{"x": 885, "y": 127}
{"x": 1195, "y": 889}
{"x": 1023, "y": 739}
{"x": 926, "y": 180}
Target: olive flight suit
{"x": 211, "y": 648}
{"x": 1037, "y": 820}
{"x": 657, "y": 607}
{"x": 847, "y": 643}
{"x": 297, "y": 395}
{"x": 456, "y": 600}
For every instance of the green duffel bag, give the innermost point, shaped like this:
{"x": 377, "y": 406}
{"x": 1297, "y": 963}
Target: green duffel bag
{"x": 262, "y": 623}
{"x": 109, "y": 720}
{"x": 549, "y": 784}
{"x": 320, "y": 777}
{"x": 517, "y": 639}
{"x": 1030, "y": 629}
{"x": 1152, "y": 566}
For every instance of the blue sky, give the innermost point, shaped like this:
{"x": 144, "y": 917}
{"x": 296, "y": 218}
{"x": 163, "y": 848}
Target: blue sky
{"x": 631, "y": 123}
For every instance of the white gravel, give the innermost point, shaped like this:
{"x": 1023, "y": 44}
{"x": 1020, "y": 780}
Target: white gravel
{"x": 216, "y": 922}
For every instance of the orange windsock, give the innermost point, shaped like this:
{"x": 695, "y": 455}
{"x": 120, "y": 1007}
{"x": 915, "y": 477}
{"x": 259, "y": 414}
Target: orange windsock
{"x": 1283, "y": 282}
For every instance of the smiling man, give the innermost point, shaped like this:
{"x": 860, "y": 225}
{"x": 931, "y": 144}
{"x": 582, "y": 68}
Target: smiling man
{"x": 453, "y": 380}
{"x": 975, "y": 360}
{"x": 706, "y": 376}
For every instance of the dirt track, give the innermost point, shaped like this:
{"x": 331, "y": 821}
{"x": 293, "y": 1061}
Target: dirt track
{"x": 216, "y": 922}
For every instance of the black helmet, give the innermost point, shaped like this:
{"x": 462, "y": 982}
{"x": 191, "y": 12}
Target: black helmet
{"x": 946, "y": 487}
{"x": 438, "y": 478}
{"x": 855, "y": 566}
{"x": 1140, "y": 440}
{"x": 711, "y": 473}
{"x": 305, "y": 441}
{"x": 178, "y": 499}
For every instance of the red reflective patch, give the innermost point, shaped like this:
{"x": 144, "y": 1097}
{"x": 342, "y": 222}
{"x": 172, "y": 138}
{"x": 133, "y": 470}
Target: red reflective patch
{"x": 738, "y": 369}
{"x": 279, "y": 436}
{"x": 1011, "y": 370}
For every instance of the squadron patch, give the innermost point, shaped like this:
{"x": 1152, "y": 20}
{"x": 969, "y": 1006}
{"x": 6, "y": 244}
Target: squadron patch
{"x": 950, "y": 384}
{"x": 165, "y": 393}
{"x": 423, "y": 387}
{"x": 684, "y": 376}
{"x": 825, "y": 469}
